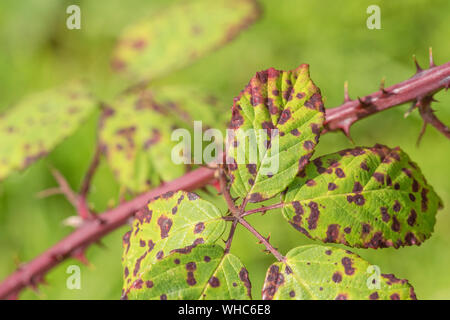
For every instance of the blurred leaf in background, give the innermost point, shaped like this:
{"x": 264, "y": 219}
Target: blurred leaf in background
{"x": 39, "y": 52}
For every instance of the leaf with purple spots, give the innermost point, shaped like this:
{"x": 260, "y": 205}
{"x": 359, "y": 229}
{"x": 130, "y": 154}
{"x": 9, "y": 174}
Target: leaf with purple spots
{"x": 39, "y": 122}
{"x": 276, "y": 121}
{"x": 174, "y": 222}
{"x": 137, "y": 129}
{"x": 363, "y": 197}
{"x": 205, "y": 273}
{"x": 315, "y": 272}
{"x": 180, "y": 35}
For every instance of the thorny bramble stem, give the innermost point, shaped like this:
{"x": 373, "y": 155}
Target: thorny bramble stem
{"x": 263, "y": 240}
{"x": 424, "y": 83}
{"x": 263, "y": 209}
{"x": 230, "y": 236}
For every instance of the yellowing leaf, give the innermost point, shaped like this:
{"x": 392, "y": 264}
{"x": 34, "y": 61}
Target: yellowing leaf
{"x": 136, "y": 134}
{"x": 363, "y": 197}
{"x": 179, "y": 35}
{"x": 325, "y": 273}
{"x": 38, "y": 123}
{"x": 174, "y": 222}
{"x": 276, "y": 121}
{"x": 204, "y": 273}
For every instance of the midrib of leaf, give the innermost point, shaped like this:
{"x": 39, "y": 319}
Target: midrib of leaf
{"x": 266, "y": 151}
{"x": 302, "y": 283}
{"x": 213, "y": 273}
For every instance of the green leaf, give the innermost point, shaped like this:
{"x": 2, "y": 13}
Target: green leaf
{"x": 287, "y": 101}
{"x": 204, "y": 273}
{"x": 174, "y": 222}
{"x": 38, "y": 123}
{"x": 180, "y": 35}
{"x": 363, "y": 197}
{"x": 136, "y": 134}
{"x": 317, "y": 272}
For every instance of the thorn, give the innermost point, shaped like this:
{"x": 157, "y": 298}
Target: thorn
{"x": 80, "y": 256}
{"x": 422, "y": 132}
{"x": 365, "y": 103}
{"x": 346, "y": 130}
{"x": 382, "y": 82}
{"x": 385, "y": 92}
{"x": 267, "y": 239}
{"x": 431, "y": 58}
{"x": 418, "y": 68}
{"x": 414, "y": 105}
{"x": 346, "y": 95}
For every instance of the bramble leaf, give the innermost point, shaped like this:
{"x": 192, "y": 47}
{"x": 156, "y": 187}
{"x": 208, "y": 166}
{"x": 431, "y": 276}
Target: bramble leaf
{"x": 39, "y": 122}
{"x": 204, "y": 273}
{"x": 174, "y": 222}
{"x": 317, "y": 272}
{"x": 288, "y": 106}
{"x": 136, "y": 133}
{"x": 363, "y": 197}
{"x": 180, "y": 35}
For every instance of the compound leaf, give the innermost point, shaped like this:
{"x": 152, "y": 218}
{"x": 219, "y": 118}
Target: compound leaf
{"x": 174, "y": 222}
{"x": 137, "y": 129}
{"x": 180, "y": 35}
{"x": 317, "y": 272}
{"x": 363, "y": 197}
{"x": 276, "y": 122}
{"x": 204, "y": 273}
{"x": 39, "y": 122}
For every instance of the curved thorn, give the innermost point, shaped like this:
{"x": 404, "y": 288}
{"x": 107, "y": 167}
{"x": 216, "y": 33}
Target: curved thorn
{"x": 346, "y": 95}
{"x": 431, "y": 58}
{"x": 382, "y": 82}
{"x": 411, "y": 109}
{"x": 422, "y": 132}
{"x": 418, "y": 68}
{"x": 384, "y": 91}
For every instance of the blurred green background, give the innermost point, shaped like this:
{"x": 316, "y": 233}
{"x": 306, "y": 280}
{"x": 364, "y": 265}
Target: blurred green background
{"x": 37, "y": 51}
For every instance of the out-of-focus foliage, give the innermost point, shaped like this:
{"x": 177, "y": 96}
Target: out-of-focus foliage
{"x": 39, "y": 122}
{"x": 136, "y": 132}
{"x": 179, "y": 35}
{"x": 38, "y": 52}
{"x": 323, "y": 273}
